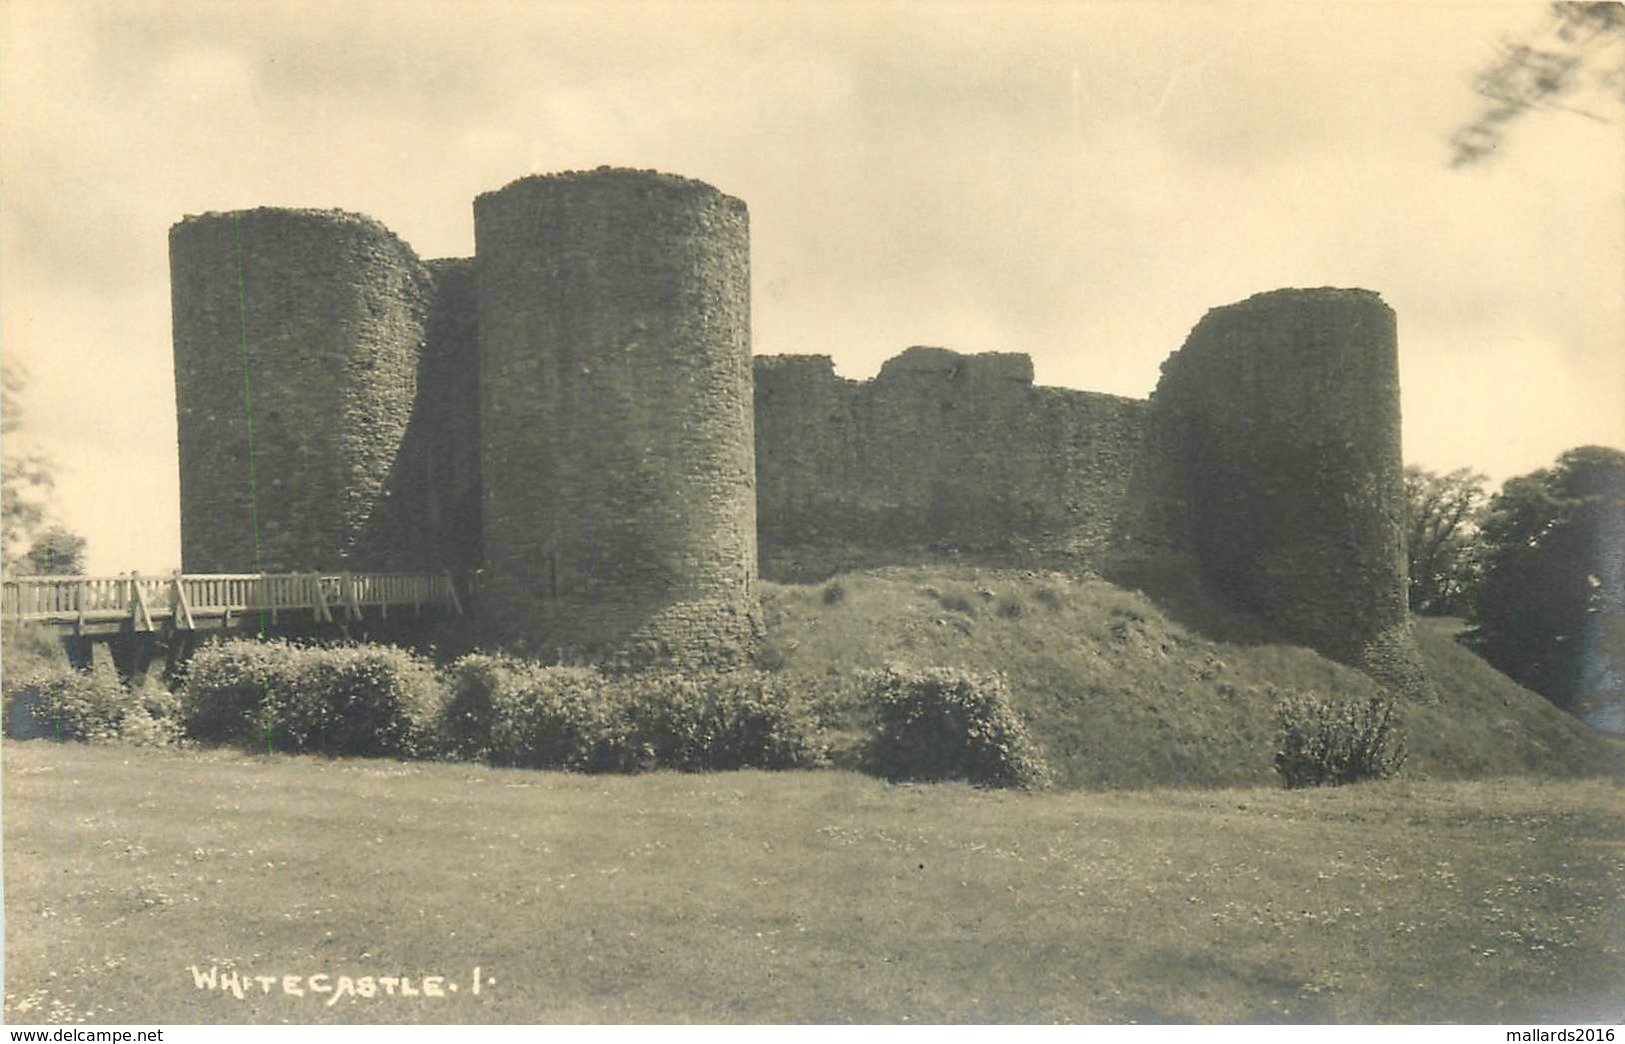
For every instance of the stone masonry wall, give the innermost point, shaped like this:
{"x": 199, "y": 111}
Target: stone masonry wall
{"x": 616, "y": 427}
{"x": 1284, "y": 414}
{"x": 435, "y": 489}
{"x": 302, "y": 329}
{"x": 940, "y": 452}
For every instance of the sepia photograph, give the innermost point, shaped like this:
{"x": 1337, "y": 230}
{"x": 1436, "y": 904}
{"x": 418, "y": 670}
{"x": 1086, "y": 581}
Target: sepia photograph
{"x": 894, "y": 513}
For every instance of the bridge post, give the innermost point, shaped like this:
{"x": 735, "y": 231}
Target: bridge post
{"x": 132, "y": 655}
{"x": 78, "y": 648}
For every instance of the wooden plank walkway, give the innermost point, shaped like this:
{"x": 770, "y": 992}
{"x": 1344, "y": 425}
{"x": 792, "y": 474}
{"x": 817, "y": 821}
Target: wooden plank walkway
{"x": 102, "y": 605}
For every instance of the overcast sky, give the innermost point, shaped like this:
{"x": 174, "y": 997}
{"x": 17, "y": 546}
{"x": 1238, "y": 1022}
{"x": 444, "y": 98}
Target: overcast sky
{"x": 1079, "y": 181}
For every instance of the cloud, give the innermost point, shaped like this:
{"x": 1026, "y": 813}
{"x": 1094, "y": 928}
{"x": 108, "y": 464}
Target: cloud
{"x": 1080, "y": 181}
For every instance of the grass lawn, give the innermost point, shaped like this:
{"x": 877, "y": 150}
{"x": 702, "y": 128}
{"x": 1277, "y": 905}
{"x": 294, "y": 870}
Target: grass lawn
{"x": 801, "y": 897}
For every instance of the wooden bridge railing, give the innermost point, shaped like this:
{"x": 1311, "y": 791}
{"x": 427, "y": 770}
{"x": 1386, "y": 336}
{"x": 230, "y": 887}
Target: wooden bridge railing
{"x": 182, "y": 599}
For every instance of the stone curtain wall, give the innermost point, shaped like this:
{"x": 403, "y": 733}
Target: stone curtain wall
{"x": 1284, "y": 410}
{"x": 616, "y": 425}
{"x": 940, "y": 452}
{"x": 332, "y": 306}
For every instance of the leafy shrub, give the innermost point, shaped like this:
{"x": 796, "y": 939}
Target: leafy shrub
{"x": 743, "y": 719}
{"x": 513, "y": 712}
{"x": 468, "y": 716}
{"x": 1326, "y": 742}
{"x": 940, "y": 724}
{"x": 371, "y": 700}
{"x": 518, "y": 713}
{"x": 1010, "y": 607}
{"x": 154, "y": 716}
{"x": 66, "y": 704}
{"x": 834, "y": 593}
{"x": 227, "y": 689}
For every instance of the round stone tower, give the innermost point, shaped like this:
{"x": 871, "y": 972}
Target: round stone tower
{"x": 617, "y": 435}
{"x": 297, "y": 339}
{"x": 1284, "y": 411}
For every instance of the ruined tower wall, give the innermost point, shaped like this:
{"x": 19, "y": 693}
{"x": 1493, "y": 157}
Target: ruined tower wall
{"x": 296, "y": 331}
{"x": 435, "y": 489}
{"x": 1284, "y": 411}
{"x": 940, "y": 452}
{"x": 617, "y": 435}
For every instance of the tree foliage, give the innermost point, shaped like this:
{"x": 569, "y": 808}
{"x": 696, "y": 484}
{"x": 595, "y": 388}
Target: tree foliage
{"x": 1553, "y": 541}
{"x": 1442, "y": 514}
{"x": 1575, "y": 62}
{"x": 26, "y": 480}
{"x": 58, "y": 551}
{"x": 25, "y": 489}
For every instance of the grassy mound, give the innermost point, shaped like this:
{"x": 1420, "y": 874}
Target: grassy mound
{"x": 1119, "y": 694}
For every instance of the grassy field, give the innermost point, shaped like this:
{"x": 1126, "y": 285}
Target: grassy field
{"x": 822, "y": 896}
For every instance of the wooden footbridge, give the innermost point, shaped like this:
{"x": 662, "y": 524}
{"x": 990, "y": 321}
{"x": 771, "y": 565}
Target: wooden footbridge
{"x": 134, "y": 613}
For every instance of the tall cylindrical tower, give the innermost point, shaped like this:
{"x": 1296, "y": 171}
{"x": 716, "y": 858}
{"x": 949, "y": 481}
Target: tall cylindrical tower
{"x": 617, "y": 442}
{"x": 1284, "y": 409}
{"x": 297, "y": 338}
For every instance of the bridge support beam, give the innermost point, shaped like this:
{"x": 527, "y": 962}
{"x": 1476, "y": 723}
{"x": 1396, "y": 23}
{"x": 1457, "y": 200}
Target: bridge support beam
{"x": 132, "y": 655}
{"x": 80, "y": 650}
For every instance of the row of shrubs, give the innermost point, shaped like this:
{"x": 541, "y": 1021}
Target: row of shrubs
{"x": 381, "y": 701}
{"x": 523, "y": 714}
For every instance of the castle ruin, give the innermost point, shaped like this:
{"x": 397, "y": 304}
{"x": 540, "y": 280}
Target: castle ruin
{"x": 572, "y": 424}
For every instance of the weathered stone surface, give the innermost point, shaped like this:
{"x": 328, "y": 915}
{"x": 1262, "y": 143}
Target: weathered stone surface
{"x": 298, "y": 331}
{"x": 616, "y": 429}
{"x": 940, "y": 452}
{"x": 1282, "y": 417}
{"x": 435, "y": 489}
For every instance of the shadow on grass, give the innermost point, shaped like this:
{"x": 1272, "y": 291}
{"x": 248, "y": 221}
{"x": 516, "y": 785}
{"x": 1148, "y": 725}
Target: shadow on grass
{"x": 1176, "y": 589}
{"x": 1203, "y": 989}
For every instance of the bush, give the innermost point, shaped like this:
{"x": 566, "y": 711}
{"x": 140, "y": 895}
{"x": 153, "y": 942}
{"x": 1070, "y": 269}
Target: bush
{"x": 362, "y": 700}
{"x": 226, "y": 696}
{"x": 517, "y": 713}
{"x": 744, "y": 719}
{"x": 370, "y": 700}
{"x": 834, "y": 593}
{"x": 947, "y": 724}
{"x": 65, "y": 704}
{"x": 1328, "y": 743}
{"x": 154, "y": 717}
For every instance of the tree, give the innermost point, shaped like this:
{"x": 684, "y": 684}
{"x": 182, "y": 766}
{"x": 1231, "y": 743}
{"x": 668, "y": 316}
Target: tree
{"x": 1554, "y": 572}
{"x": 1441, "y": 528}
{"x": 1576, "y": 62}
{"x": 25, "y": 486}
{"x": 26, "y": 479}
{"x": 58, "y": 551}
